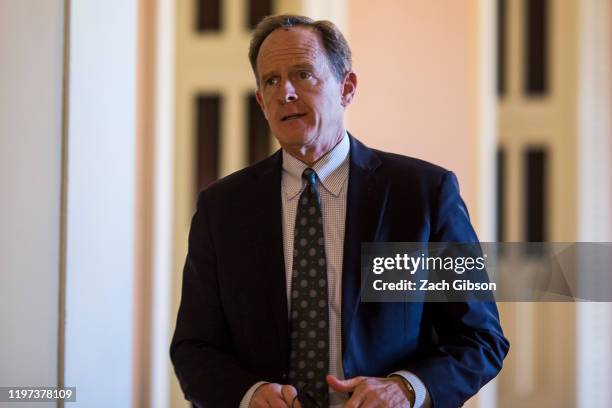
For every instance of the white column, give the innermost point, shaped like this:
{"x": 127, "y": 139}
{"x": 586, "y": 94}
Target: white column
{"x": 162, "y": 320}
{"x": 487, "y": 120}
{"x": 594, "y": 331}
{"x": 101, "y": 176}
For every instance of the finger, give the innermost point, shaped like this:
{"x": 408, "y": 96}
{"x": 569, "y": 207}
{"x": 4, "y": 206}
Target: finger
{"x": 289, "y": 394}
{"x": 356, "y": 399}
{"x": 343, "y": 385}
{"x": 268, "y": 395}
{"x": 258, "y": 403}
{"x": 277, "y": 402}
{"x": 258, "y": 400}
{"x": 374, "y": 403}
{"x": 261, "y": 402}
{"x": 296, "y": 403}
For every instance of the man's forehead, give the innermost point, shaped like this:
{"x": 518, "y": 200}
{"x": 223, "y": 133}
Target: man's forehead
{"x": 291, "y": 43}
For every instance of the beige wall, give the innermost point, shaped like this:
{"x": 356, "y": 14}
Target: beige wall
{"x": 418, "y": 83}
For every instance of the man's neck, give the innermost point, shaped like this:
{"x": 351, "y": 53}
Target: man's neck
{"x": 312, "y": 154}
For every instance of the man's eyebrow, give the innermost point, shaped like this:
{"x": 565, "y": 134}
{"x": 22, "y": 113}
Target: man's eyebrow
{"x": 304, "y": 65}
{"x": 267, "y": 75}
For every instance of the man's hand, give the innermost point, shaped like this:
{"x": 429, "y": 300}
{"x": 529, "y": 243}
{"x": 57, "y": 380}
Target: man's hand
{"x": 274, "y": 395}
{"x": 373, "y": 392}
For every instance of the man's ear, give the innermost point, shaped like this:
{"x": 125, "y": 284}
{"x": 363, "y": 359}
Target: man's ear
{"x": 260, "y": 102}
{"x": 349, "y": 87}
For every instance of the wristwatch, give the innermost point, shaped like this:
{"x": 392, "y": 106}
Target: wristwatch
{"x": 411, "y": 394}
{"x": 411, "y": 391}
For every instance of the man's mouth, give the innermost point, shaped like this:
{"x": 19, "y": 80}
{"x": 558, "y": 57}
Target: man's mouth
{"x": 292, "y": 116}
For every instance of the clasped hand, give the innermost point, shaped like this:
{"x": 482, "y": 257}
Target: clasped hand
{"x": 367, "y": 392}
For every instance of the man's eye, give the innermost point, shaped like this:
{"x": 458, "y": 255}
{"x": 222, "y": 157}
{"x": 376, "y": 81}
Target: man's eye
{"x": 271, "y": 81}
{"x": 305, "y": 75}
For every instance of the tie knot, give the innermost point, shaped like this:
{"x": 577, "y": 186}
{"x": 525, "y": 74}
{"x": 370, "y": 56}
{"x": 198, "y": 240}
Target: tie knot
{"x": 311, "y": 176}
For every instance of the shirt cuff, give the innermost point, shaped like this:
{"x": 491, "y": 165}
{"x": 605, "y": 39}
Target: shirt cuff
{"x": 246, "y": 400}
{"x": 421, "y": 395}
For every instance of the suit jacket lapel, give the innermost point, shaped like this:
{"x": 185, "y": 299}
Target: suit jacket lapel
{"x": 365, "y": 208}
{"x": 269, "y": 236}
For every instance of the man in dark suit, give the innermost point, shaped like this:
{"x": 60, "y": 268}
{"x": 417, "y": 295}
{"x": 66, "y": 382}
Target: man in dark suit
{"x": 270, "y": 314}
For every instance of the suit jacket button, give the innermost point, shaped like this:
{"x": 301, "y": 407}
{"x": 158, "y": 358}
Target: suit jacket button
{"x": 284, "y": 376}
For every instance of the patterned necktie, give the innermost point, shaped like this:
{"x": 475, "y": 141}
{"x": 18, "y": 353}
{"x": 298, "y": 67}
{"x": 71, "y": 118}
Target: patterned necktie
{"x": 309, "y": 352}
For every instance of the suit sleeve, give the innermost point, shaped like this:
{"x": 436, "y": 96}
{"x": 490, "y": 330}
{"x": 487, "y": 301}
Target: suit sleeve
{"x": 204, "y": 359}
{"x": 470, "y": 345}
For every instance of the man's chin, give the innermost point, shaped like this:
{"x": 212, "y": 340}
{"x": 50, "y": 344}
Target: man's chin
{"x": 294, "y": 140}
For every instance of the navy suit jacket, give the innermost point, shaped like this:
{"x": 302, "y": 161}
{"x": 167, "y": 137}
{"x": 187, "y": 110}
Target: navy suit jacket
{"x": 232, "y": 328}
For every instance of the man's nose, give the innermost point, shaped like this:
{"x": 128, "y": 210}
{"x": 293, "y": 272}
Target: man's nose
{"x": 288, "y": 92}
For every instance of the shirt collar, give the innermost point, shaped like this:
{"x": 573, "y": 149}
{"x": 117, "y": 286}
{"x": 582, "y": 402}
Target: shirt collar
{"x": 329, "y": 170}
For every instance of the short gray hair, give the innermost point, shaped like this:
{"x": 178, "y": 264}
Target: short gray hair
{"x": 335, "y": 45}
